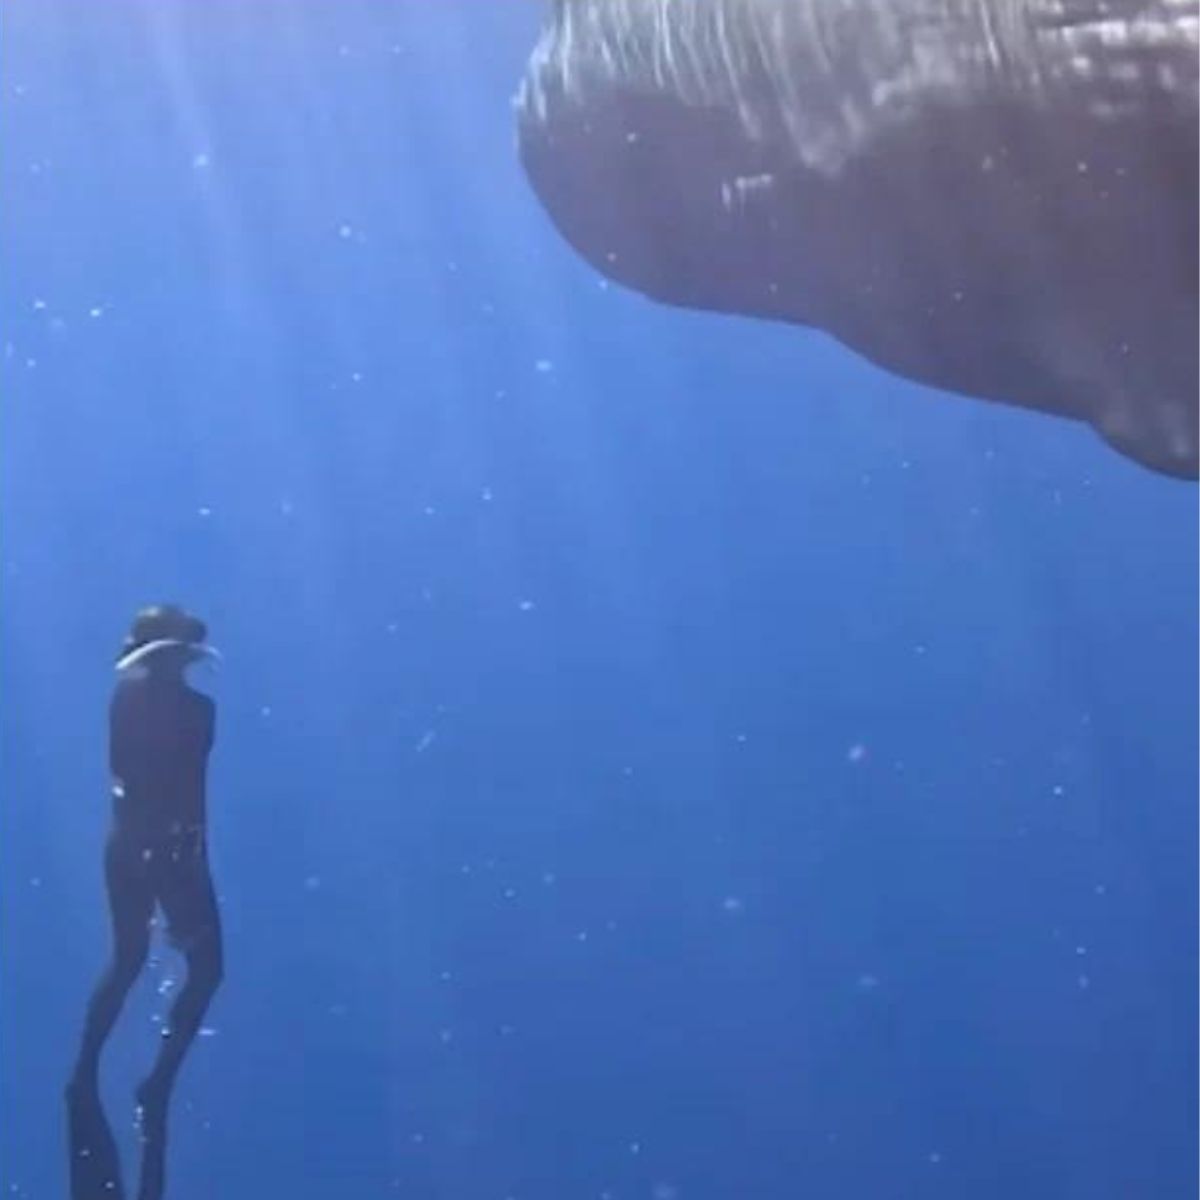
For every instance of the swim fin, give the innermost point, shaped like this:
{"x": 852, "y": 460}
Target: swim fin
{"x": 95, "y": 1166}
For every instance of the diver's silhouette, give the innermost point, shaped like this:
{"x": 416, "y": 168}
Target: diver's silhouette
{"x": 160, "y": 734}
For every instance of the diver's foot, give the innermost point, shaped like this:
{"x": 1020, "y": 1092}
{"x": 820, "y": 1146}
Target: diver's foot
{"x": 153, "y": 1096}
{"x": 152, "y": 1128}
{"x": 95, "y": 1168}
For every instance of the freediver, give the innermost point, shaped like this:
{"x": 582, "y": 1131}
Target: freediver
{"x": 160, "y": 735}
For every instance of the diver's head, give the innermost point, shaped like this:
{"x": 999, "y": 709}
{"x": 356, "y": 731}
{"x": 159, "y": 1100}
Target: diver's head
{"x": 164, "y": 639}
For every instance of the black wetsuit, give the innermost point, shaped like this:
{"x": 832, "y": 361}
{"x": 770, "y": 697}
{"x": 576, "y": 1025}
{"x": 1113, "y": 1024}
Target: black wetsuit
{"x": 160, "y": 735}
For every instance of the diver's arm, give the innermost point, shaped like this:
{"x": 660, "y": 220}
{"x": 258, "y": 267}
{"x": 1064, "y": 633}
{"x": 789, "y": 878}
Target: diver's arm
{"x": 118, "y": 752}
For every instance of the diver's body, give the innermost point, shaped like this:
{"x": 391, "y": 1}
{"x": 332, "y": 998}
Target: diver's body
{"x": 160, "y": 735}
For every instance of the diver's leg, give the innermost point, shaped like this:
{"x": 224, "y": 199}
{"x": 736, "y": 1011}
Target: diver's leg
{"x": 154, "y": 1094}
{"x": 190, "y": 905}
{"x": 131, "y": 905}
{"x": 192, "y": 913}
{"x": 93, "y": 1163}
{"x": 204, "y": 968}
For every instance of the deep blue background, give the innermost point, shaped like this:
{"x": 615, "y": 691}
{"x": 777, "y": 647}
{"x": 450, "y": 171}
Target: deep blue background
{"x": 659, "y": 756}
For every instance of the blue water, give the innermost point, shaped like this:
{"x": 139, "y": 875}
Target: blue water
{"x": 659, "y": 755}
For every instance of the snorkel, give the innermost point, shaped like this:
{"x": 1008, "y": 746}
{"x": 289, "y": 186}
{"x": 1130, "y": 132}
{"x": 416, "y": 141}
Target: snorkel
{"x": 168, "y": 650}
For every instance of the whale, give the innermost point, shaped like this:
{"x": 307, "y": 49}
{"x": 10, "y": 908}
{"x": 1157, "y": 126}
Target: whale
{"x": 994, "y": 198}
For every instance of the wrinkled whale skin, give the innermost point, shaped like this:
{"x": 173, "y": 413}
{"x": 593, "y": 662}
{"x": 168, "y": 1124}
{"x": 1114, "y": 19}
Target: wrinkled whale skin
{"x": 993, "y": 197}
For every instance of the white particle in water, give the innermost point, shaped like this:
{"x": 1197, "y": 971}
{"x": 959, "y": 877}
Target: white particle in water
{"x": 486, "y": 495}
{"x": 427, "y": 740}
{"x": 856, "y": 753}
{"x": 312, "y": 883}
{"x": 207, "y": 1031}
{"x": 345, "y": 232}
{"x": 95, "y": 311}
{"x": 543, "y": 366}
{"x": 200, "y": 161}
{"x": 1081, "y": 951}
{"x": 733, "y": 904}
{"x": 1084, "y": 982}
{"x": 204, "y": 511}
{"x": 526, "y": 605}
{"x": 39, "y": 306}
{"x": 868, "y": 982}
{"x": 549, "y": 878}
{"x": 446, "y": 1036}
{"x": 1100, "y": 889}
{"x": 935, "y": 1157}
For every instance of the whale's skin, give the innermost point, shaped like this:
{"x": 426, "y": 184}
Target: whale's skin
{"x": 994, "y": 197}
